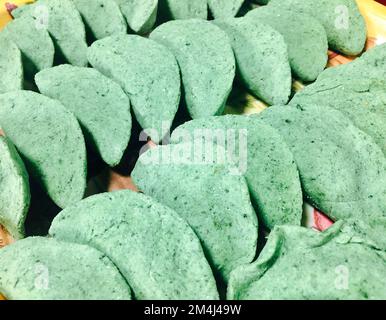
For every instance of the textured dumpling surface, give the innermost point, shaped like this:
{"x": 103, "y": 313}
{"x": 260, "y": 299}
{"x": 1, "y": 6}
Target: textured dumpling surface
{"x": 342, "y": 170}
{"x": 262, "y": 58}
{"x": 140, "y": 15}
{"x": 148, "y": 73}
{"x": 64, "y": 23}
{"x": 206, "y": 60}
{"x": 154, "y": 249}
{"x": 100, "y": 105}
{"x": 50, "y": 141}
{"x": 344, "y": 24}
{"x": 299, "y": 263}
{"x": 212, "y": 198}
{"x": 33, "y": 41}
{"x": 47, "y": 269}
{"x": 224, "y": 8}
{"x": 11, "y": 66}
{"x": 14, "y": 186}
{"x": 103, "y": 17}
{"x": 183, "y": 9}
{"x": 266, "y": 161}
{"x": 305, "y": 37}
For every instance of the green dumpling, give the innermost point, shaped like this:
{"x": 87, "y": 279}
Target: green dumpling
{"x": 299, "y": 263}
{"x": 103, "y": 17}
{"x": 100, "y": 105}
{"x": 212, "y": 197}
{"x": 269, "y": 167}
{"x": 34, "y": 43}
{"x": 154, "y": 249}
{"x": 258, "y": 48}
{"x": 11, "y": 66}
{"x": 342, "y": 170}
{"x": 206, "y": 60}
{"x": 148, "y": 73}
{"x": 49, "y": 140}
{"x": 224, "y": 8}
{"x": 183, "y": 9}
{"x": 344, "y": 24}
{"x": 63, "y": 22}
{"x": 140, "y": 14}
{"x": 47, "y": 269}
{"x": 14, "y": 185}
{"x": 304, "y": 35}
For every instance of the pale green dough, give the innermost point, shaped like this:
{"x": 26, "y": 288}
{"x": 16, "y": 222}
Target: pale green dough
{"x": 224, "y": 8}
{"x": 268, "y": 164}
{"x": 140, "y": 15}
{"x": 15, "y": 193}
{"x": 148, "y": 73}
{"x": 11, "y": 66}
{"x": 34, "y": 43}
{"x": 49, "y": 140}
{"x": 206, "y": 60}
{"x": 154, "y": 249}
{"x": 342, "y": 170}
{"x": 212, "y": 198}
{"x": 100, "y": 105}
{"x": 64, "y": 23}
{"x": 47, "y": 269}
{"x": 103, "y": 17}
{"x": 183, "y": 9}
{"x": 302, "y": 264}
{"x": 258, "y": 48}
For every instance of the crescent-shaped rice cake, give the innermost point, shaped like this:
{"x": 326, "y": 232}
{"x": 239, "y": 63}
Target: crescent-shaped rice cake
{"x": 222, "y": 9}
{"x": 183, "y": 9}
{"x": 11, "y": 66}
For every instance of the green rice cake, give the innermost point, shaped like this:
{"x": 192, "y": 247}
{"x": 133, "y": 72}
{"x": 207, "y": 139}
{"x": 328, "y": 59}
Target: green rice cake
{"x": 65, "y": 25}
{"x": 50, "y": 141}
{"x": 206, "y": 60}
{"x": 148, "y": 73}
{"x": 222, "y": 9}
{"x": 140, "y": 14}
{"x": 212, "y": 197}
{"x": 344, "y": 24}
{"x": 271, "y": 172}
{"x": 103, "y": 17}
{"x": 183, "y": 9}
{"x": 343, "y": 172}
{"x": 258, "y": 48}
{"x": 11, "y": 66}
{"x": 304, "y": 35}
{"x": 34, "y": 43}
{"x": 100, "y": 105}
{"x": 154, "y": 249}
{"x": 299, "y": 263}
{"x": 46, "y": 269}
{"x": 14, "y": 185}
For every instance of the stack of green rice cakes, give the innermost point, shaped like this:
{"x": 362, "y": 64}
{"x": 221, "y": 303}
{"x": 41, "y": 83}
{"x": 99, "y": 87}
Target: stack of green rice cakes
{"x": 77, "y": 77}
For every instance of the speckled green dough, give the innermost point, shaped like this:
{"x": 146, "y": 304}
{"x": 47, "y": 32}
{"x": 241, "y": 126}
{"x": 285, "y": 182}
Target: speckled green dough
{"x": 155, "y": 250}
{"x": 102, "y": 17}
{"x": 14, "y": 185}
{"x": 224, "y": 8}
{"x": 258, "y": 48}
{"x": 11, "y": 66}
{"x": 184, "y": 9}
{"x": 65, "y": 26}
{"x": 149, "y": 74}
{"x": 50, "y": 141}
{"x": 206, "y": 60}
{"x": 271, "y": 172}
{"x": 34, "y": 43}
{"x": 140, "y": 14}
{"x": 345, "y": 26}
{"x": 342, "y": 170}
{"x": 362, "y": 100}
{"x": 304, "y": 35}
{"x": 299, "y": 263}
{"x": 100, "y": 105}
{"x": 47, "y": 269}
{"x": 212, "y": 199}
